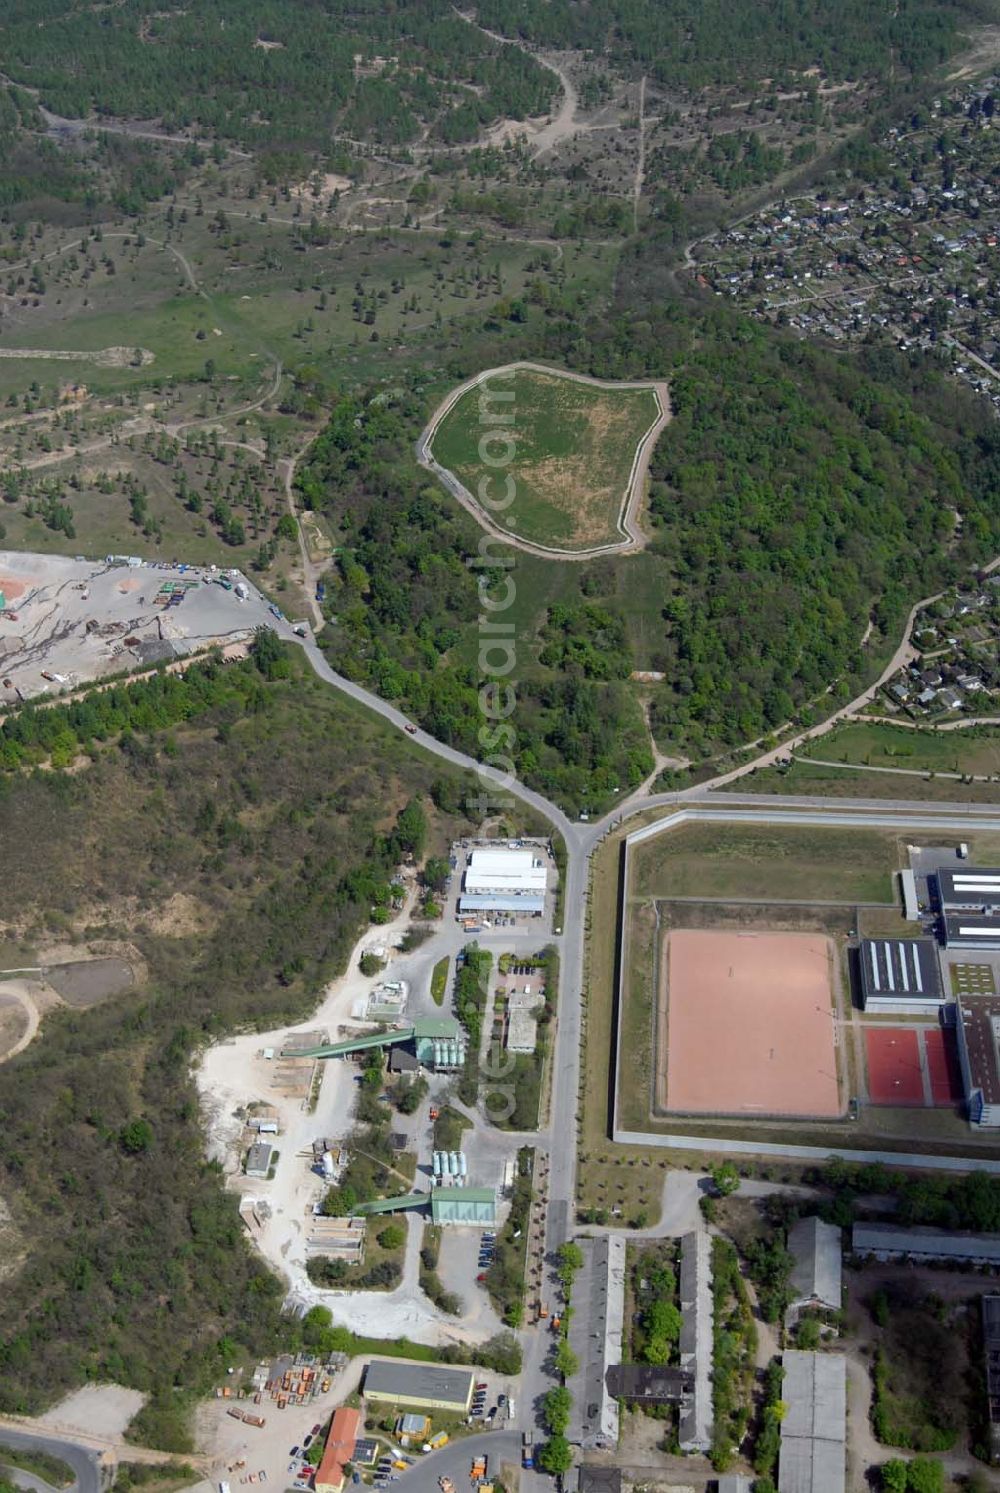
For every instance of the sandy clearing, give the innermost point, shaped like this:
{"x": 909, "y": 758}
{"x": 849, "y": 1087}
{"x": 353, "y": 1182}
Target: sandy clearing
{"x": 747, "y": 1022}
{"x": 234, "y": 1073}
{"x": 22, "y": 993}
{"x": 98, "y": 1409}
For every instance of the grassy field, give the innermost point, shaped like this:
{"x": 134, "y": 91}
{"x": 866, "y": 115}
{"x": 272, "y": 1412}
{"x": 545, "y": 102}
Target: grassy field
{"x": 260, "y": 293}
{"x": 812, "y": 778}
{"x": 975, "y": 750}
{"x": 574, "y": 446}
{"x": 768, "y": 863}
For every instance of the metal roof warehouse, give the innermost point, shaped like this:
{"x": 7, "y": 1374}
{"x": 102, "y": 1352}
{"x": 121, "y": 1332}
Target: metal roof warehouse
{"x": 971, "y": 932}
{"x": 968, "y": 888}
{"x": 424, "y": 1384}
{"x": 501, "y": 902}
{"x": 887, "y": 1241}
{"x": 812, "y": 1457}
{"x": 899, "y": 972}
{"x": 516, "y": 871}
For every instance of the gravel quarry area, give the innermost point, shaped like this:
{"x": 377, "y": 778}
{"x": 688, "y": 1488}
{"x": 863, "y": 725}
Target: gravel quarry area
{"x": 278, "y": 1211}
{"x": 66, "y": 622}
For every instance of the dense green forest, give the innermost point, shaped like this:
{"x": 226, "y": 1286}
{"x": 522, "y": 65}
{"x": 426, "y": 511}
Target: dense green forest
{"x": 695, "y": 43}
{"x": 272, "y": 77}
{"x": 796, "y": 495}
{"x": 277, "y": 816}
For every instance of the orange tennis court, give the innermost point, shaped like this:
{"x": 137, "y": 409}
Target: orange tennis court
{"x": 894, "y": 1071}
{"x": 943, "y": 1069}
{"x": 746, "y": 1024}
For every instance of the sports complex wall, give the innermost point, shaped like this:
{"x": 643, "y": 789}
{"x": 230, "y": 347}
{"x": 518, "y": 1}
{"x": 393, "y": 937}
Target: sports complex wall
{"x": 949, "y": 821}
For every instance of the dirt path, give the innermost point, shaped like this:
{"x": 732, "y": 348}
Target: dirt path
{"x": 640, "y": 165}
{"x": 633, "y": 539}
{"x": 310, "y": 571}
{"x": 905, "y": 772}
{"x": 904, "y": 654}
{"x": 562, "y": 125}
{"x": 18, "y": 990}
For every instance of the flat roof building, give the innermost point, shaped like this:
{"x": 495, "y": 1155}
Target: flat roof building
{"x": 427, "y": 1385}
{"x": 697, "y": 1314}
{"x": 522, "y": 1031}
{"x": 331, "y": 1474}
{"x": 816, "y": 1274}
{"x": 649, "y": 1384}
{"x": 889, "y": 1241}
{"x": 529, "y": 902}
{"x": 899, "y": 975}
{"x": 968, "y": 931}
{"x": 969, "y": 889}
{"x": 978, "y": 1032}
{"x": 258, "y": 1159}
{"x": 813, "y": 1453}
{"x": 516, "y": 871}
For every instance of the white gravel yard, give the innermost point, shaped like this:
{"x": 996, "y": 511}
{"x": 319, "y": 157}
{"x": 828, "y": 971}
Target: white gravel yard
{"x": 235, "y": 1073}
{"x": 97, "y": 1410}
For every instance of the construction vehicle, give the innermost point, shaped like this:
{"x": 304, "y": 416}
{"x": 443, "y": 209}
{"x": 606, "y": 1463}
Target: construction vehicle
{"x": 555, "y": 1323}
{"x": 236, "y": 1414}
{"x": 254, "y": 1420}
{"x": 436, "y": 1442}
{"x": 527, "y": 1451}
{"x": 478, "y": 1470}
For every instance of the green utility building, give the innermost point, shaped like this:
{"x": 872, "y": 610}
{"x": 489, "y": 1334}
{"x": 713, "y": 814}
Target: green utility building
{"x": 465, "y": 1205}
{"x": 439, "y": 1042}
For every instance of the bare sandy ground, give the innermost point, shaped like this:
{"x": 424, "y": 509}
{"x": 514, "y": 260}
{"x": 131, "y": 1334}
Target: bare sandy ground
{"x": 97, "y": 1409}
{"x": 234, "y": 1073}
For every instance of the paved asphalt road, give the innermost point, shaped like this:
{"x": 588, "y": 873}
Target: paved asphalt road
{"x": 84, "y": 1463}
{"x": 581, "y": 840}
{"x": 456, "y": 1459}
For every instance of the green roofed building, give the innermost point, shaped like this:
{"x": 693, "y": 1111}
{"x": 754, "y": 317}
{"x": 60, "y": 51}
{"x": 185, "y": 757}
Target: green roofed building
{"x": 439, "y": 1041}
{"x": 468, "y": 1205}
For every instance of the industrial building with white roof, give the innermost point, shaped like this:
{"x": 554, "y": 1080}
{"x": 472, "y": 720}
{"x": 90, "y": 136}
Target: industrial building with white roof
{"x": 899, "y": 975}
{"x": 507, "y": 879}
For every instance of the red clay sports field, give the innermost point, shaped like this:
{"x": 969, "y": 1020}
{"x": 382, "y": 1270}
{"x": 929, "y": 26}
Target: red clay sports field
{"x": 745, "y": 1024}
{"x": 912, "y": 1065}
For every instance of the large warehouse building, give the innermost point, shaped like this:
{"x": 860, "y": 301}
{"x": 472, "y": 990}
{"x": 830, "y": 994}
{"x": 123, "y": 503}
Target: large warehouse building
{"x": 426, "y": 1385}
{"x": 813, "y": 1453}
{"x": 968, "y": 931}
{"x": 978, "y": 1032}
{"x": 971, "y": 889}
{"x": 899, "y": 975}
{"x": 504, "y": 880}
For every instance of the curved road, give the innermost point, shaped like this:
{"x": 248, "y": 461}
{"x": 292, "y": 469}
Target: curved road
{"x": 632, "y": 539}
{"x": 85, "y": 1463}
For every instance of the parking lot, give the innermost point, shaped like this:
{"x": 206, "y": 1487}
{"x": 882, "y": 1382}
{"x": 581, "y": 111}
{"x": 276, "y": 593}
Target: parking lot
{"x": 65, "y": 622}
